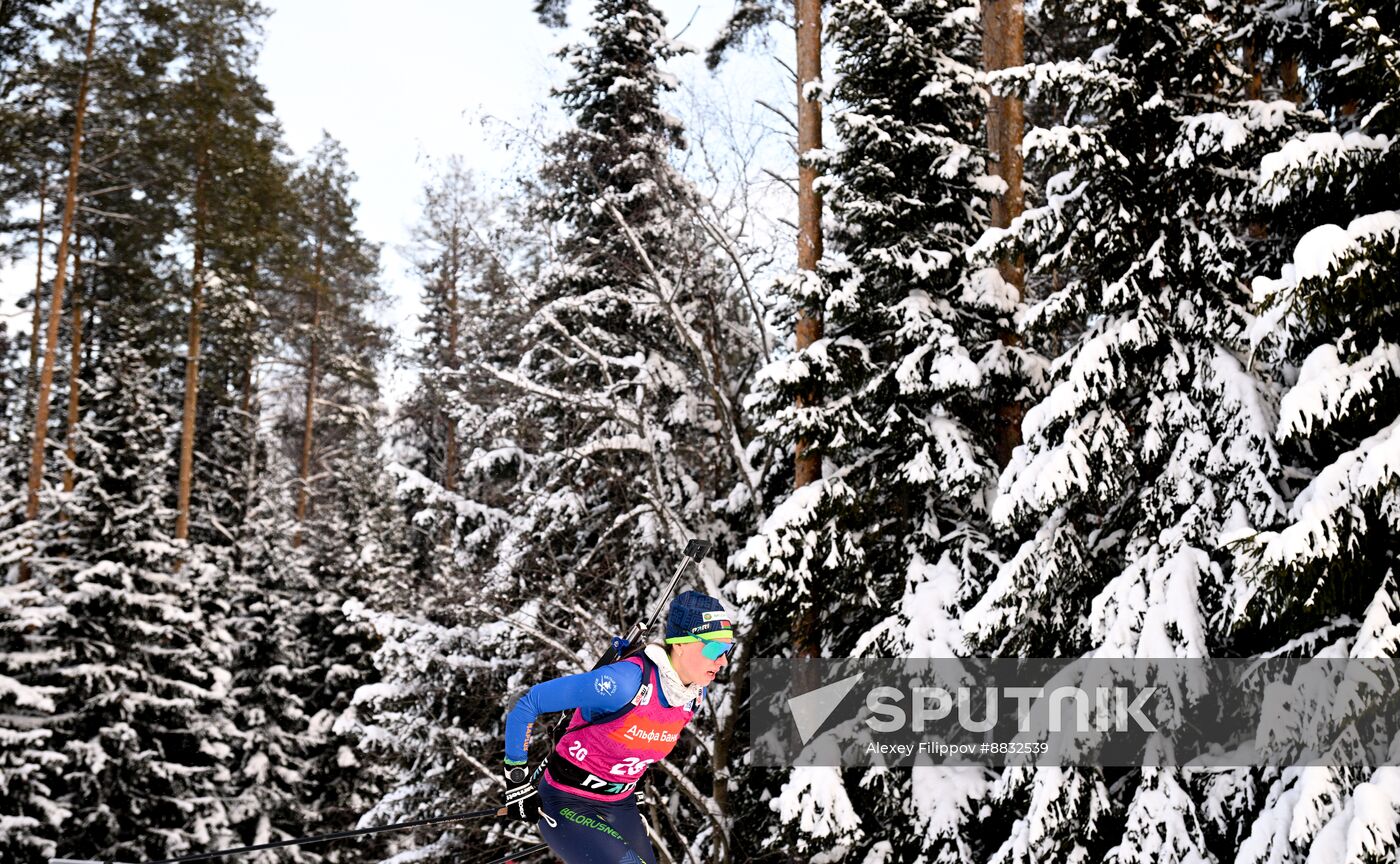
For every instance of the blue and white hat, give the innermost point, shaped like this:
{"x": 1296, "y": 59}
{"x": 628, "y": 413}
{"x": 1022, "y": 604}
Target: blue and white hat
{"x": 694, "y": 616}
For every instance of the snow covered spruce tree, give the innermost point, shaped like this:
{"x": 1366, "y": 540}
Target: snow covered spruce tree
{"x": 457, "y": 457}
{"x": 434, "y": 718}
{"x": 270, "y": 594}
{"x": 233, "y": 187}
{"x": 636, "y": 345}
{"x": 140, "y": 694}
{"x": 895, "y": 533}
{"x": 1324, "y": 581}
{"x": 1325, "y": 317}
{"x": 347, "y": 537}
{"x": 357, "y": 545}
{"x": 598, "y": 429}
{"x": 31, "y": 754}
{"x": 31, "y": 748}
{"x": 142, "y": 687}
{"x": 1153, "y": 435}
{"x": 444, "y": 263}
{"x": 621, "y": 415}
{"x": 144, "y": 755}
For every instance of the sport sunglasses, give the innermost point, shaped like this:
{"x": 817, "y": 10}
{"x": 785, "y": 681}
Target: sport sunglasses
{"x": 716, "y": 650}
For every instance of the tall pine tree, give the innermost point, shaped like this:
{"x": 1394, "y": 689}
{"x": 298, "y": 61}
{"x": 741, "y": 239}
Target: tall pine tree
{"x": 896, "y": 532}
{"x": 346, "y": 535}
{"x": 1154, "y": 435}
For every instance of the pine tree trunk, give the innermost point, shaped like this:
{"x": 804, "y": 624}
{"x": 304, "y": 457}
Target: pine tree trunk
{"x": 187, "y": 418}
{"x": 75, "y": 368}
{"x": 1292, "y": 84}
{"x": 809, "y": 204}
{"x": 307, "y": 436}
{"x": 449, "y": 468}
{"x": 807, "y": 468}
{"x": 246, "y": 405}
{"x": 1003, "y": 46}
{"x": 1254, "y": 89}
{"x": 70, "y": 203}
{"x": 38, "y": 291}
{"x": 725, "y": 744}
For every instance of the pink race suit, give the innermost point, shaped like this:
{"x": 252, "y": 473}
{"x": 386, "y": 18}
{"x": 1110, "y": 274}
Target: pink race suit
{"x": 607, "y": 758}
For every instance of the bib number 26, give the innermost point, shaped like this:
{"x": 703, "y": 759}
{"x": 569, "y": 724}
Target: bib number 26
{"x": 630, "y": 767}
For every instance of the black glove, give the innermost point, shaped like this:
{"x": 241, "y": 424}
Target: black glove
{"x": 522, "y": 797}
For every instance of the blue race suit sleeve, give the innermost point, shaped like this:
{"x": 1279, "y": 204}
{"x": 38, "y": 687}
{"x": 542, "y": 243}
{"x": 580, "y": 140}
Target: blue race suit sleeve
{"x": 596, "y": 693}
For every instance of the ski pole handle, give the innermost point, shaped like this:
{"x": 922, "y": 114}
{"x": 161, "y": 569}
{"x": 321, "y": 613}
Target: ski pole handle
{"x": 696, "y": 549}
{"x": 695, "y": 552}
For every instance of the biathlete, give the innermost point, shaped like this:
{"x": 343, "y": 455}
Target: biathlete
{"x": 627, "y": 715}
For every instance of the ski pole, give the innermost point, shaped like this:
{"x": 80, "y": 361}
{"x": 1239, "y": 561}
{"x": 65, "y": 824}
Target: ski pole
{"x": 516, "y": 856}
{"x": 299, "y": 841}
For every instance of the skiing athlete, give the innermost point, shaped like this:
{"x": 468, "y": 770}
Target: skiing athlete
{"x": 626, "y": 716}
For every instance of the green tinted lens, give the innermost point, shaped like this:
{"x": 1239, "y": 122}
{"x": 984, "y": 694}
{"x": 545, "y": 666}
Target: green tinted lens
{"x": 716, "y": 650}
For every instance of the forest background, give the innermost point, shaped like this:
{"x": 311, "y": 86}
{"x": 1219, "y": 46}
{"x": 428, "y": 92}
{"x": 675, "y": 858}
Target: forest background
{"x": 1065, "y": 330}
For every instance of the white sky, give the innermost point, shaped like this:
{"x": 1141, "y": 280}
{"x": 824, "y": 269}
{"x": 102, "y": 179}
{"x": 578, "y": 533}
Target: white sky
{"x": 419, "y": 80}
{"x": 413, "y": 81}
{"x": 401, "y": 85}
